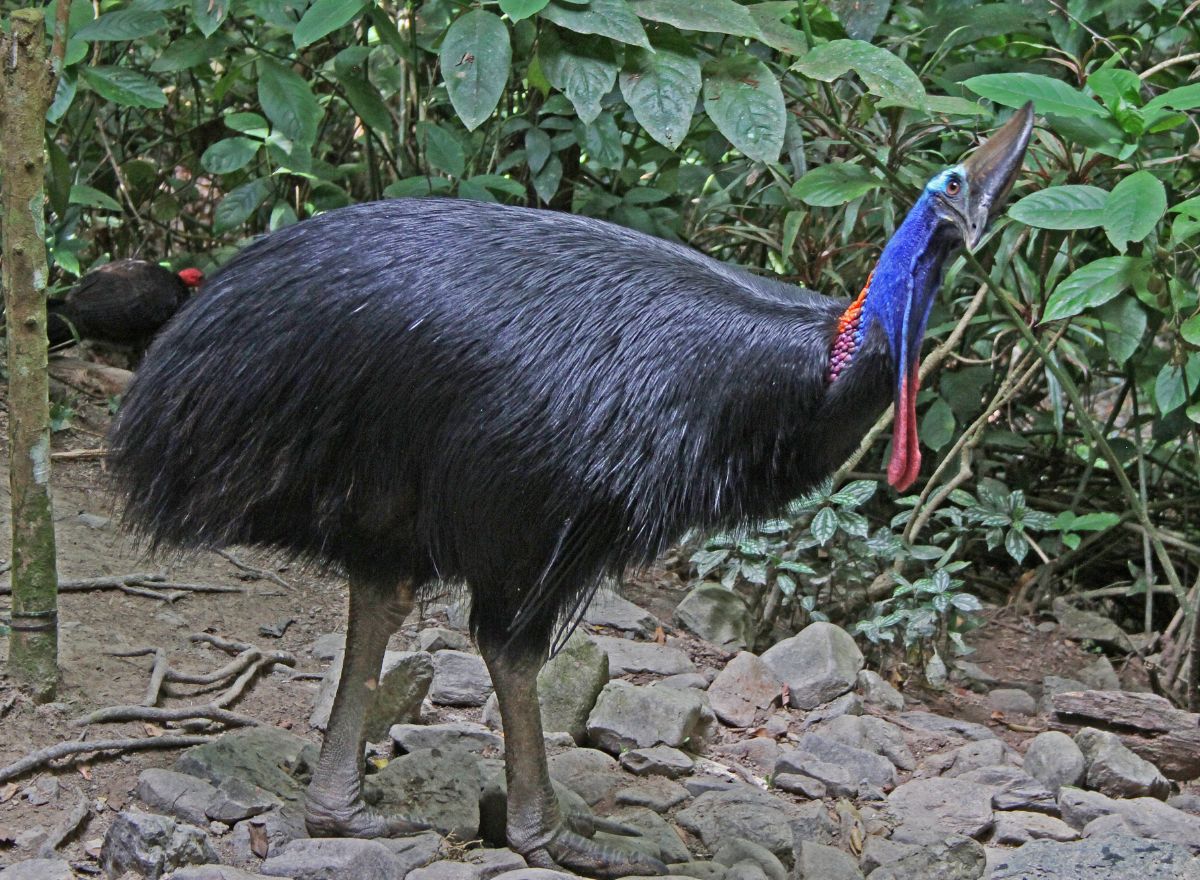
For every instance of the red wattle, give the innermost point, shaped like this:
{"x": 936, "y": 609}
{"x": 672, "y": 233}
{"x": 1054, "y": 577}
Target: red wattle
{"x": 906, "y": 451}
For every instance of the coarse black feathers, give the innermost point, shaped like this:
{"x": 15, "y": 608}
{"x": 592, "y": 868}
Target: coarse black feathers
{"x": 524, "y": 400}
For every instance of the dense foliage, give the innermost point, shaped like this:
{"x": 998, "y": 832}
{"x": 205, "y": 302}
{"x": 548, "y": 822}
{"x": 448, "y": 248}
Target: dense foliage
{"x": 787, "y": 137}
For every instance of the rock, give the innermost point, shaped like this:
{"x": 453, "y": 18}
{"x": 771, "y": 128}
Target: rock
{"x": 878, "y": 692}
{"x": 535, "y": 874}
{"x": 975, "y": 676}
{"x": 741, "y": 850}
{"x": 1055, "y": 760}
{"x": 946, "y": 804}
{"x": 280, "y": 827}
{"x": 656, "y": 793}
{"x": 1099, "y": 675}
{"x": 698, "y": 870}
{"x": 1079, "y": 807}
{"x": 1144, "y": 817}
{"x": 931, "y": 723}
{"x": 626, "y": 656}
{"x": 627, "y": 716}
{"x": 655, "y": 830}
{"x": 404, "y": 682}
{"x": 879, "y": 851}
{"x": 862, "y": 764}
{"x": 846, "y": 704}
{"x": 798, "y": 783}
{"x": 819, "y": 663}
{"x": 684, "y": 680}
{"x": 1090, "y": 626}
{"x": 816, "y": 861}
{"x": 977, "y": 754}
{"x": 38, "y": 869}
{"x": 490, "y": 862}
{"x": 439, "y": 638}
{"x": 439, "y": 786}
{"x": 1013, "y": 789}
{"x": 1187, "y": 801}
{"x": 657, "y": 761}
{"x": 570, "y": 683}
{"x": 590, "y": 773}
{"x": 838, "y": 780}
{"x": 1018, "y": 826}
{"x": 334, "y": 858}
{"x": 459, "y": 679}
{"x": 235, "y": 800}
{"x": 1012, "y": 701}
{"x": 1114, "y": 770}
{"x": 1109, "y": 858}
{"x": 272, "y": 759}
{"x": 717, "y": 816}
{"x": 717, "y": 615}
{"x": 445, "y": 870}
{"x": 177, "y": 794}
{"x": 150, "y": 845}
{"x": 812, "y": 822}
{"x": 929, "y": 855}
{"x": 210, "y": 872}
{"x": 873, "y": 734}
{"x": 328, "y": 646}
{"x": 744, "y": 686}
{"x": 465, "y": 735}
{"x": 761, "y": 752}
{"x": 616, "y": 612}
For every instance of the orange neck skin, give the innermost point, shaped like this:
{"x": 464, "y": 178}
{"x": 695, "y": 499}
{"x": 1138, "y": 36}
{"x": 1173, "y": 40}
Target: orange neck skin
{"x": 849, "y": 334}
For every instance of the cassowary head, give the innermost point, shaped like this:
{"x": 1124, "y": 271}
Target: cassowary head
{"x": 955, "y": 208}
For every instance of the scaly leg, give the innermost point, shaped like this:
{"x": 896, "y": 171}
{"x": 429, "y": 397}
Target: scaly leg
{"x": 335, "y": 806}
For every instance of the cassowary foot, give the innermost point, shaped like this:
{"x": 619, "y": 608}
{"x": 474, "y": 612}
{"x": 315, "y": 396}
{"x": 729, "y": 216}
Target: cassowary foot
{"x": 355, "y": 819}
{"x": 574, "y": 852}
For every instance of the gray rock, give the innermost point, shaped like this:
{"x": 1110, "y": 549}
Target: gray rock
{"x": 805, "y": 786}
{"x": 878, "y": 692}
{"x": 465, "y": 735}
{"x": 404, "y": 682}
{"x": 656, "y": 793}
{"x": 570, "y": 683}
{"x": 947, "y": 804}
{"x": 535, "y": 874}
{"x": 150, "y": 845}
{"x": 1090, "y": 626}
{"x": 1019, "y": 826}
{"x": 846, "y": 704}
{"x": 627, "y": 716}
{"x": 698, "y": 785}
{"x": 210, "y": 872}
{"x": 1143, "y": 817}
{"x": 741, "y": 850}
{"x": 439, "y": 638}
{"x": 655, "y": 830}
{"x": 1012, "y": 701}
{"x": 439, "y": 786}
{"x": 1187, "y": 801}
{"x": 927, "y": 855}
{"x": 862, "y": 764}
{"x": 977, "y": 754}
{"x": 38, "y": 869}
{"x": 975, "y": 676}
{"x": 415, "y": 850}
{"x": 1099, "y": 675}
{"x": 626, "y": 656}
{"x": 328, "y": 646}
{"x": 176, "y": 794}
{"x": 816, "y": 861}
{"x": 698, "y": 870}
{"x": 1079, "y": 807}
{"x": 761, "y": 752}
{"x": 811, "y": 822}
{"x": 616, "y": 612}
{"x": 657, "y": 761}
{"x": 281, "y": 826}
{"x": 744, "y": 686}
{"x": 684, "y": 680}
{"x": 272, "y": 759}
{"x": 872, "y": 734}
{"x": 1013, "y": 789}
{"x": 591, "y": 773}
{"x": 445, "y": 870}
{"x": 459, "y": 679}
{"x": 838, "y": 780}
{"x": 819, "y": 663}
{"x": 1055, "y": 760}
{"x": 718, "y": 816}
{"x": 1114, "y": 770}
{"x": 334, "y": 858}
{"x": 931, "y": 723}
{"x": 717, "y": 615}
{"x": 1109, "y": 858}
{"x": 490, "y": 862}
{"x": 235, "y": 800}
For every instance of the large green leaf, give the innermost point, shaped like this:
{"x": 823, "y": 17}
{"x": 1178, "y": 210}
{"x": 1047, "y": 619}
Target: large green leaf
{"x": 860, "y": 18}
{"x": 1048, "y": 95}
{"x": 708, "y": 16}
{"x": 239, "y": 203}
{"x": 124, "y": 24}
{"x": 1182, "y": 98}
{"x": 1095, "y": 284}
{"x": 475, "y": 59}
{"x": 188, "y": 51}
{"x": 288, "y": 101}
{"x": 743, "y": 98}
{"x": 1062, "y": 207}
{"x": 1133, "y": 208}
{"x": 829, "y": 185}
{"x": 661, "y": 87}
{"x": 1176, "y": 384}
{"x": 1190, "y": 329}
{"x": 124, "y": 86}
{"x": 583, "y": 70}
{"x": 937, "y": 426}
{"x": 607, "y": 18}
{"x": 1124, "y": 326}
{"x": 773, "y": 31}
{"x": 442, "y": 149}
{"x": 882, "y": 73}
{"x": 519, "y": 9}
{"x": 91, "y": 197}
{"x": 230, "y": 154}
{"x": 324, "y": 17}
{"x": 208, "y": 14}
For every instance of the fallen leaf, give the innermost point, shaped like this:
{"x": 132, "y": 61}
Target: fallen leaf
{"x": 7, "y": 792}
{"x": 153, "y": 729}
{"x": 93, "y": 847}
{"x": 85, "y": 771}
{"x": 659, "y": 636}
{"x": 259, "y": 844}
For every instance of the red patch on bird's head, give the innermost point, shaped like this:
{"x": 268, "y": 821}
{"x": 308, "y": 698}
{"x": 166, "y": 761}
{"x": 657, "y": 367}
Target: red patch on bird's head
{"x": 191, "y": 277}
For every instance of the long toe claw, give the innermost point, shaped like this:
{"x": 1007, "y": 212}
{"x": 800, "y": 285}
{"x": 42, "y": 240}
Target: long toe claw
{"x": 586, "y": 856}
{"x": 356, "y": 819}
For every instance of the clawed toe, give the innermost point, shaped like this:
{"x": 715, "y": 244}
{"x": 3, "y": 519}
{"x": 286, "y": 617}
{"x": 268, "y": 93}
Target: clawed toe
{"x": 356, "y": 819}
{"x": 586, "y": 856}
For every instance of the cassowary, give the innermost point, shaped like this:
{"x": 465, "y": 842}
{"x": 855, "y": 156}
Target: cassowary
{"x": 124, "y": 302}
{"x": 520, "y": 401}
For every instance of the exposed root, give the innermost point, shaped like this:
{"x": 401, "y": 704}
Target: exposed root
{"x": 253, "y": 571}
{"x": 42, "y": 757}
{"x": 60, "y": 833}
{"x": 150, "y": 586}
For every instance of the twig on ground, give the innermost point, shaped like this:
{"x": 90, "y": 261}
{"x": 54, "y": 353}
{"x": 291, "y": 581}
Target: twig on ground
{"x": 157, "y": 674}
{"x": 42, "y": 757}
{"x": 253, "y": 571}
{"x": 78, "y": 454}
{"x": 150, "y": 584}
{"x": 69, "y": 825}
{"x": 156, "y": 714}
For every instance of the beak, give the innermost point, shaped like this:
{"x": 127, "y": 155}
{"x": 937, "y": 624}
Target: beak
{"x": 990, "y": 172}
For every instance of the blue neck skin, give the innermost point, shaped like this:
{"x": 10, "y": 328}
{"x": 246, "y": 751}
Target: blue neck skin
{"x": 906, "y": 280}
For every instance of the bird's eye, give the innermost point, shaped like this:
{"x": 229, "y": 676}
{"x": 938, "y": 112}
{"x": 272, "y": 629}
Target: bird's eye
{"x": 953, "y": 185}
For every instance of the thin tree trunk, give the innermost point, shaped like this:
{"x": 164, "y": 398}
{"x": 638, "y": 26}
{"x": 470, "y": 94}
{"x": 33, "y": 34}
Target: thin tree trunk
{"x": 25, "y": 84}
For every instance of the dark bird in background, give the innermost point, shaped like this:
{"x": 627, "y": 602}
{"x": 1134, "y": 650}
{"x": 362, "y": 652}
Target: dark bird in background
{"x": 523, "y": 402}
{"x": 124, "y": 302}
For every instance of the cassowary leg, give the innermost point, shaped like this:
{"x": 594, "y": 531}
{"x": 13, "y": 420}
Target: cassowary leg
{"x": 535, "y": 825}
{"x": 335, "y": 806}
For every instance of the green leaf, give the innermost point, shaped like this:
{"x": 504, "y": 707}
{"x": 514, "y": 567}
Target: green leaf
{"x": 248, "y": 123}
{"x": 854, "y": 494}
{"x": 186, "y": 52}
{"x": 661, "y": 87}
{"x": 883, "y": 73}
{"x": 966, "y": 603}
{"x": 1048, "y": 95}
{"x": 442, "y": 149}
{"x": 743, "y": 98}
{"x": 773, "y": 32}
{"x": 824, "y": 525}
{"x": 1015, "y": 544}
{"x": 209, "y": 14}
{"x": 537, "y": 149}
{"x": 240, "y": 203}
{"x": 124, "y": 24}
{"x": 1183, "y": 98}
{"x": 708, "y": 16}
{"x": 860, "y": 18}
{"x": 1133, "y": 208}
{"x": 288, "y": 101}
{"x": 546, "y": 181}
{"x": 1124, "y": 322}
{"x": 324, "y": 17}
{"x": 230, "y": 154}
{"x": 1177, "y": 384}
{"x": 91, "y": 197}
{"x": 1062, "y": 207}
{"x": 1190, "y": 329}
{"x": 830, "y": 185}
{"x": 1114, "y": 86}
{"x": 1095, "y": 522}
{"x": 364, "y": 98}
{"x": 607, "y": 18}
{"x": 519, "y": 9}
{"x": 583, "y": 70}
{"x": 1094, "y": 284}
{"x": 475, "y": 60}
{"x": 124, "y": 86}
{"x": 947, "y": 105}
{"x": 937, "y": 426}
{"x": 1193, "y": 413}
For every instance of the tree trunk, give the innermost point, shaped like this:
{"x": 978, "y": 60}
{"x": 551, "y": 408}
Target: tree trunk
{"x": 25, "y": 82}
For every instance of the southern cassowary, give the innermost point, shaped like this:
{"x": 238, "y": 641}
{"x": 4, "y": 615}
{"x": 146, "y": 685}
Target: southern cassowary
{"x": 125, "y": 302}
{"x": 521, "y": 401}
